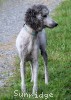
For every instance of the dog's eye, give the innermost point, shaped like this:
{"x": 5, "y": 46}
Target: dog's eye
{"x": 44, "y": 16}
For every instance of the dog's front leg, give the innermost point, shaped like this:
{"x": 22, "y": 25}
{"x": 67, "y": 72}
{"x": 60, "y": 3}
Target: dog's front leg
{"x": 35, "y": 71}
{"x": 35, "y": 67}
{"x": 22, "y": 71}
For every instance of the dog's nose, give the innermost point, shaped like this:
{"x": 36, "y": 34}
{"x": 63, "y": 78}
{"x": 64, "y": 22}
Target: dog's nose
{"x": 55, "y": 24}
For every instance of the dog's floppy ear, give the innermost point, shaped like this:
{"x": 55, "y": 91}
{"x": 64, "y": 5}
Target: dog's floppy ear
{"x": 32, "y": 20}
{"x": 30, "y": 16}
{"x": 31, "y": 12}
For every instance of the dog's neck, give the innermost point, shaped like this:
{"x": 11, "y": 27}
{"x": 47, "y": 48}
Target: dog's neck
{"x": 29, "y": 30}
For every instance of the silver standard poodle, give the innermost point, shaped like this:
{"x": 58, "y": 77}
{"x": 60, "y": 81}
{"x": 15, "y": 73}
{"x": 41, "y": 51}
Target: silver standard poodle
{"x": 31, "y": 39}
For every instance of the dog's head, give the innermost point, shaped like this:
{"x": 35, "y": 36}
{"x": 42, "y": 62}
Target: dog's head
{"x": 37, "y": 17}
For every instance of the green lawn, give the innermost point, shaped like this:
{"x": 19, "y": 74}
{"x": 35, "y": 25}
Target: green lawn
{"x": 59, "y": 63}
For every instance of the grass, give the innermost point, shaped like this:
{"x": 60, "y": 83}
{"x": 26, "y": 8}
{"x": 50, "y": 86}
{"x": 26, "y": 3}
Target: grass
{"x": 59, "y": 63}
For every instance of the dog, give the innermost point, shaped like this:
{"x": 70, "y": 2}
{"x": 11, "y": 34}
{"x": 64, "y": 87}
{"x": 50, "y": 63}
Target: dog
{"x": 31, "y": 39}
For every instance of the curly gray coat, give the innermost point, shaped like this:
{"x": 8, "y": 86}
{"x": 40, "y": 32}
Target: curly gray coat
{"x": 28, "y": 44}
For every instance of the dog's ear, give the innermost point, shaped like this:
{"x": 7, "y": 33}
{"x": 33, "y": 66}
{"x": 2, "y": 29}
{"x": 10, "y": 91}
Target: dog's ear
{"x": 30, "y": 15}
{"x": 32, "y": 12}
{"x": 32, "y": 20}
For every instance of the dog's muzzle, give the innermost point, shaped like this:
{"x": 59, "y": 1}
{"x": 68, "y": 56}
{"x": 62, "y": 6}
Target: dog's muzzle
{"x": 54, "y": 24}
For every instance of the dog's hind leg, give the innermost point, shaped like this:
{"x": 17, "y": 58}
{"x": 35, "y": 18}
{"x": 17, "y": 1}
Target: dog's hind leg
{"x": 42, "y": 46}
{"x": 45, "y": 58}
{"x": 32, "y": 78}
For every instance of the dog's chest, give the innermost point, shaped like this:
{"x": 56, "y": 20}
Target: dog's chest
{"x": 31, "y": 45}
{"x": 30, "y": 49}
